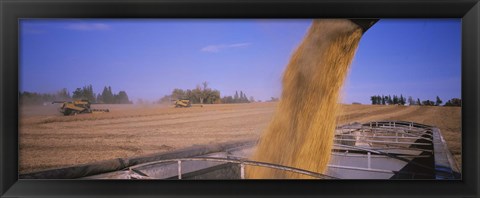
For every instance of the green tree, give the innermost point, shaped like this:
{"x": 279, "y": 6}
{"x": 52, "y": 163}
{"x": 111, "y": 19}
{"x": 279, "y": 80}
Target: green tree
{"x": 107, "y": 95}
{"x": 375, "y": 100}
{"x": 390, "y": 101}
{"x": 88, "y": 93}
{"x": 438, "y": 101}
{"x": 236, "y": 97}
{"x": 99, "y": 98}
{"x": 411, "y": 101}
{"x": 178, "y": 94}
{"x": 204, "y": 92}
{"x": 122, "y": 98}
{"x": 213, "y": 96}
{"x": 78, "y": 94}
{"x": 402, "y": 100}
{"x": 190, "y": 95}
{"x": 198, "y": 94}
{"x": 205, "y": 85}
{"x": 428, "y": 103}
{"x": 243, "y": 97}
{"x": 395, "y": 99}
{"x": 455, "y": 102}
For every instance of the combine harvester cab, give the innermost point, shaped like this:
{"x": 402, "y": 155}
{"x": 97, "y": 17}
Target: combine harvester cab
{"x": 373, "y": 150}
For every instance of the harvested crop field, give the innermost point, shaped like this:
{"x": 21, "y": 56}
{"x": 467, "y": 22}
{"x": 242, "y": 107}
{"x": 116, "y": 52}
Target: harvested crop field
{"x": 50, "y": 140}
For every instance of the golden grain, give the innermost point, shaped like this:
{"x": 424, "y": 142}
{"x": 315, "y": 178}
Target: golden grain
{"x": 301, "y": 132}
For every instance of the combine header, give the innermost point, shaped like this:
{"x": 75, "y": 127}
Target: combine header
{"x": 77, "y": 107}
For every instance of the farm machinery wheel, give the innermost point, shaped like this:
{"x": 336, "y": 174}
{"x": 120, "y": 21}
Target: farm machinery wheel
{"x": 67, "y": 112}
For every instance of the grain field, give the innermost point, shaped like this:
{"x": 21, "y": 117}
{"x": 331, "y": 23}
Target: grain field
{"x": 48, "y": 140}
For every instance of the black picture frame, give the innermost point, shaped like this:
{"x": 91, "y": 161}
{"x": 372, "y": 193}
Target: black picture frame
{"x": 11, "y": 11}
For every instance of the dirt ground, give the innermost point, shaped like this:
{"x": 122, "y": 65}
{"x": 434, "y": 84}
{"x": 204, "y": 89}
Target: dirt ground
{"x": 50, "y": 140}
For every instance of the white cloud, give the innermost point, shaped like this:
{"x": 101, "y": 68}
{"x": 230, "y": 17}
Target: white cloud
{"x": 217, "y": 48}
{"x": 239, "y": 45}
{"x": 213, "y": 48}
{"x": 88, "y": 26}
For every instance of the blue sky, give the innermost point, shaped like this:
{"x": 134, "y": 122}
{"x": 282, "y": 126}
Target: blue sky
{"x": 149, "y": 58}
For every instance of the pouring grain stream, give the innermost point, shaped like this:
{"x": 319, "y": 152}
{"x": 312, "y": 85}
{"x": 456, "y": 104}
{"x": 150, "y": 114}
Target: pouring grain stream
{"x": 301, "y": 132}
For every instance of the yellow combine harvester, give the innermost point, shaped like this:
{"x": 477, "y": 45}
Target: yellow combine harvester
{"x": 182, "y": 103}
{"x": 77, "y": 107}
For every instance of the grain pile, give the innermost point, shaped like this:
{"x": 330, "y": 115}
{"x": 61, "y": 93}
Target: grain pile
{"x": 301, "y": 132}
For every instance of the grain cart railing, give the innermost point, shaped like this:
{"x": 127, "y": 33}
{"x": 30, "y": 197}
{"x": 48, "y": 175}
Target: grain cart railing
{"x": 134, "y": 173}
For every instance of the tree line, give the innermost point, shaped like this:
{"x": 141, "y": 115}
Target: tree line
{"x": 86, "y": 92}
{"x": 400, "y": 100}
{"x": 203, "y": 94}
{"x": 108, "y": 97}
{"x": 242, "y": 98}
